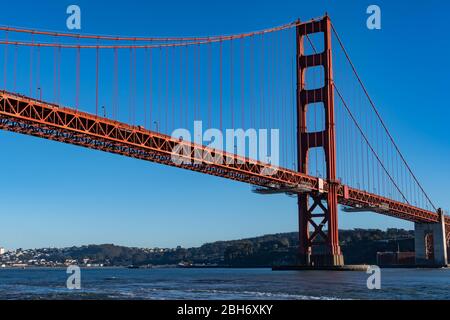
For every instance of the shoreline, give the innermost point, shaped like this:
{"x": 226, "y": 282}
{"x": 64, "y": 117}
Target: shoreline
{"x": 273, "y": 268}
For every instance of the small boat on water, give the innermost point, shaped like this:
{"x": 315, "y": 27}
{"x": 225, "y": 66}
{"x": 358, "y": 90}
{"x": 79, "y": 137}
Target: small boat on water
{"x": 184, "y": 265}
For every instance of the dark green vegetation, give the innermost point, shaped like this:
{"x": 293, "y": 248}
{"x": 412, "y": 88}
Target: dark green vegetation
{"x": 359, "y": 246}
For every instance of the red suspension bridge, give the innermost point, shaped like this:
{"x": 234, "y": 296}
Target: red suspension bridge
{"x": 128, "y": 94}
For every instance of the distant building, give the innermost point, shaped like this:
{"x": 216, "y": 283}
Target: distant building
{"x": 395, "y": 258}
{"x": 2, "y": 251}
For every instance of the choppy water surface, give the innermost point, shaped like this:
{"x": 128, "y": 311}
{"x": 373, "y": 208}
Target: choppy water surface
{"x": 118, "y": 283}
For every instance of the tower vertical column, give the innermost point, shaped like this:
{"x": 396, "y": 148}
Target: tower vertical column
{"x": 317, "y": 246}
{"x": 430, "y": 242}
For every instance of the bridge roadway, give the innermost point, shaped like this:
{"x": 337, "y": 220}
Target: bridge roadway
{"x": 29, "y": 116}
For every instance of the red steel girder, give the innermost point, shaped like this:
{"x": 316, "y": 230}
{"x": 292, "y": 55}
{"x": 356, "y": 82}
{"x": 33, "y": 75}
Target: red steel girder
{"x": 330, "y": 249}
{"x": 36, "y": 118}
{"x": 28, "y": 116}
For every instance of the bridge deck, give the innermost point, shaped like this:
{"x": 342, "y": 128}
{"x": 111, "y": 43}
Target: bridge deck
{"x": 37, "y": 118}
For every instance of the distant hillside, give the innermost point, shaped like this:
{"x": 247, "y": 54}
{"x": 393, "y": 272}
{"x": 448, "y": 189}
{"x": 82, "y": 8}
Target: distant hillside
{"x": 358, "y": 246}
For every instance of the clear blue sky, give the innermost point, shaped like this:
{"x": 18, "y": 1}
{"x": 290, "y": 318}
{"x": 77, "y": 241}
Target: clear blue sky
{"x": 60, "y": 195}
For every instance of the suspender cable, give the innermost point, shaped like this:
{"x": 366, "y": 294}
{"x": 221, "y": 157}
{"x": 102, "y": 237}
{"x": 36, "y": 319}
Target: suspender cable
{"x": 15, "y": 69}
{"x": 59, "y": 76}
{"x": 192, "y": 83}
{"x": 38, "y": 75}
{"x": 166, "y": 128}
{"x": 283, "y": 88}
{"x": 130, "y": 93}
{"x": 262, "y": 84}
{"x": 31, "y": 68}
{"x": 209, "y": 86}
{"x": 199, "y": 82}
{"x": 221, "y": 86}
{"x": 293, "y": 65}
{"x": 231, "y": 84}
{"x": 77, "y": 103}
{"x": 5, "y": 67}
{"x": 96, "y": 82}
{"x": 54, "y": 74}
{"x": 187, "y": 86}
{"x": 252, "y": 83}
{"x": 150, "y": 98}
{"x": 172, "y": 86}
{"x": 145, "y": 68}
{"x": 242, "y": 84}
{"x": 181, "y": 88}
{"x": 116, "y": 86}
{"x": 134, "y": 86}
{"x": 270, "y": 82}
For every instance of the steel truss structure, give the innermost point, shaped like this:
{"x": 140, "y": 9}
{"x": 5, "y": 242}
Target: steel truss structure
{"x": 40, "y": 119}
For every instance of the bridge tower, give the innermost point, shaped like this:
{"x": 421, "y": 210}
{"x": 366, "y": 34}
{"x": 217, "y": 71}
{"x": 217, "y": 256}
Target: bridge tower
{"x": 317, "y": 211}
{"x": 430, "y": 241}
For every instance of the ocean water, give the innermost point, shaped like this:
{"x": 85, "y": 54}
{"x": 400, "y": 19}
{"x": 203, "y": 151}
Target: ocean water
{"x": 176, "y": 283}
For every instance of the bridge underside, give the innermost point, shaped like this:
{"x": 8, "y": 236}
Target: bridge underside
{"x": 36, "y": 118}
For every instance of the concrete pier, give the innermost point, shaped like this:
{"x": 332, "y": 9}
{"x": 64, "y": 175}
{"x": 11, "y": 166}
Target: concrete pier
{"x": 322, "y": 268}
{"x": 431, "y": 243}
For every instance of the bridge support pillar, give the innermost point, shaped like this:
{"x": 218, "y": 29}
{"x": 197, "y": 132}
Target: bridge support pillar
{"x": 318, "y": 247}
{"x": 431, "y": 243}
{"x": 318, "y": 210}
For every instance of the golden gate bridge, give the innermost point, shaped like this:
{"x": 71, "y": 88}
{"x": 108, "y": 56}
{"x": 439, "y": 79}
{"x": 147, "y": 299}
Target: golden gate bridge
{"x": 127, "y": 94}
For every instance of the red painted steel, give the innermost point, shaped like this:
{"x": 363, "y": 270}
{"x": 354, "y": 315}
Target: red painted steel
{"x": 317, "y": 199}
{"x": 25, "y": 115}
{"x": 318, "y": 247}
{"x": 37, "y": 118}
